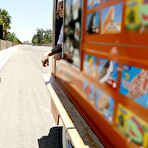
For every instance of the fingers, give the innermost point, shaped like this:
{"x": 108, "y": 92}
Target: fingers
{"x": 43, "y": 64}
{"x": 45, "y": 61}
{"x": 48, "y": 63}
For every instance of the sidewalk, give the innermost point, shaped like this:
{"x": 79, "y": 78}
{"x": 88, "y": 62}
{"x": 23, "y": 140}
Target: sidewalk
{"x": 5, "y": 54}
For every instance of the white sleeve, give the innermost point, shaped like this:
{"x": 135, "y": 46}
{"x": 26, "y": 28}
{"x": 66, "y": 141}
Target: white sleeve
{"x": 60, "y": 40}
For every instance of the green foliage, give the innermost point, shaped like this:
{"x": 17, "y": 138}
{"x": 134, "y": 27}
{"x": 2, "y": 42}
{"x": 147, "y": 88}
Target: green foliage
{"x": 5, "y": 21}
{"x": 12, "y": 37}
{"x": 42, "y": 36}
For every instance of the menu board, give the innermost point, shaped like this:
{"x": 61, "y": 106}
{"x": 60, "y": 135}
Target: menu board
{"x": 114, "y": 37}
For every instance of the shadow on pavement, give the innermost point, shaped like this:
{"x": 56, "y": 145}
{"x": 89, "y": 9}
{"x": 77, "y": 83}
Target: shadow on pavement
{"x": 53, "y": 140}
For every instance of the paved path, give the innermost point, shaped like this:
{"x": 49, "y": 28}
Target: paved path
{"x": 25, "y": 114}
{"x": 5, "y": 54}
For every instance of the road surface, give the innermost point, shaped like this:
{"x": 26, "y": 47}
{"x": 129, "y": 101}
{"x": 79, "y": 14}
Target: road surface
{"x": 25, "y": 114}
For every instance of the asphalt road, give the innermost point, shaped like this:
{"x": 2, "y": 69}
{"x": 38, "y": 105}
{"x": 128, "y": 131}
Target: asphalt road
{"x": 25, "y": 114}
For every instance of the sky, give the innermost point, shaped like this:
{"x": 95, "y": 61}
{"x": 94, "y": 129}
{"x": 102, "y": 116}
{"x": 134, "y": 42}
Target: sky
{"x": 28, "y": 15}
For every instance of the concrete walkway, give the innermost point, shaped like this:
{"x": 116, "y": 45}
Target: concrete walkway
{"x": 25, "y": 114}
{"x": 5, "y": 54}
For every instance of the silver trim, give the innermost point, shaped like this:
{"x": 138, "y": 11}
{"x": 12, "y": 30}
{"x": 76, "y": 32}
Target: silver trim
{"x": 63, "y": 28}
{"x": 54, "y": 22}
{"x": 81, "y": 34}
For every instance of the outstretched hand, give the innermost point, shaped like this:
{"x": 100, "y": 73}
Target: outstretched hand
{"x": 45, "y": 60}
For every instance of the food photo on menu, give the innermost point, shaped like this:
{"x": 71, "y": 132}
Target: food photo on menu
{"x": 112, "y": 19}
{"x": 92, "y": 25}
{"x": 105, "y": 105}
{"x": 136, "y": 17}
{"x": 134, "y": 84}
{"x": 134, "y": 129}
{"x": 108, "y": 72}
{"x": 90, "y": 65}
{"x": 89, "y": 91}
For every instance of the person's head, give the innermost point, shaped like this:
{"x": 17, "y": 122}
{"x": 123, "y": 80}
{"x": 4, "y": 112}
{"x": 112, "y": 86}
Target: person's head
{"x": 60, "y": 8}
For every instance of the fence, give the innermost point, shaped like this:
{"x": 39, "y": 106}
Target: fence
{"x": 49, "y": 44}
{"x": 6, "y": 44}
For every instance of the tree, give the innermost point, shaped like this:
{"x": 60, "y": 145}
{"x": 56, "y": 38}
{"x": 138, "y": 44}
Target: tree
{"x": 35, "y": 39}
{"x": 42, "y": 36}
{"x": 48, "y": 36}
{"x": 12, "y": 37}
{"x": 5, "y": 21}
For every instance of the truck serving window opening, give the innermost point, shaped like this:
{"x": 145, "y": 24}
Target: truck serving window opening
{"x": 72, "y": 23}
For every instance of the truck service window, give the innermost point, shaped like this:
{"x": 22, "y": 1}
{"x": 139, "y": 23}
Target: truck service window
{"x": 72, "y": 31}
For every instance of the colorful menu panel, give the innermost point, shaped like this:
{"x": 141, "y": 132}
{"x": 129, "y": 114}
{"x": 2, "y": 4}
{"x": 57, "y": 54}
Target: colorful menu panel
{"x": 137, "y": 15}
{"x": 108, "y": 72}
{"x": 105, "y": 105}
{"x": 90, "y": 64}
{"x": 112, "y": 19}
{"x": 89, "y": 91}
{"x": 132, "y": 127}
{"x": 92, "y": 3}
{"x": 134, "y": 84}
{"x": 92, "y": 25}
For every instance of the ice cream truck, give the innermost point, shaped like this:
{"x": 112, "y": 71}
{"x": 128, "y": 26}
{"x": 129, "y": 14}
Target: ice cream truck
{"x": 107, "y": 79}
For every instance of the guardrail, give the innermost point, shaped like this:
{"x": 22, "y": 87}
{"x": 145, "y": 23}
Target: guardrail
{"x": 6, "y": 44}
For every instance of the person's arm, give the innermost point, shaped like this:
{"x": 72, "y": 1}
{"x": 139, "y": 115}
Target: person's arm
{"x": 66, "y": 56}
{"x": 56, "y": 49}
{"x": 45, "y": 58}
